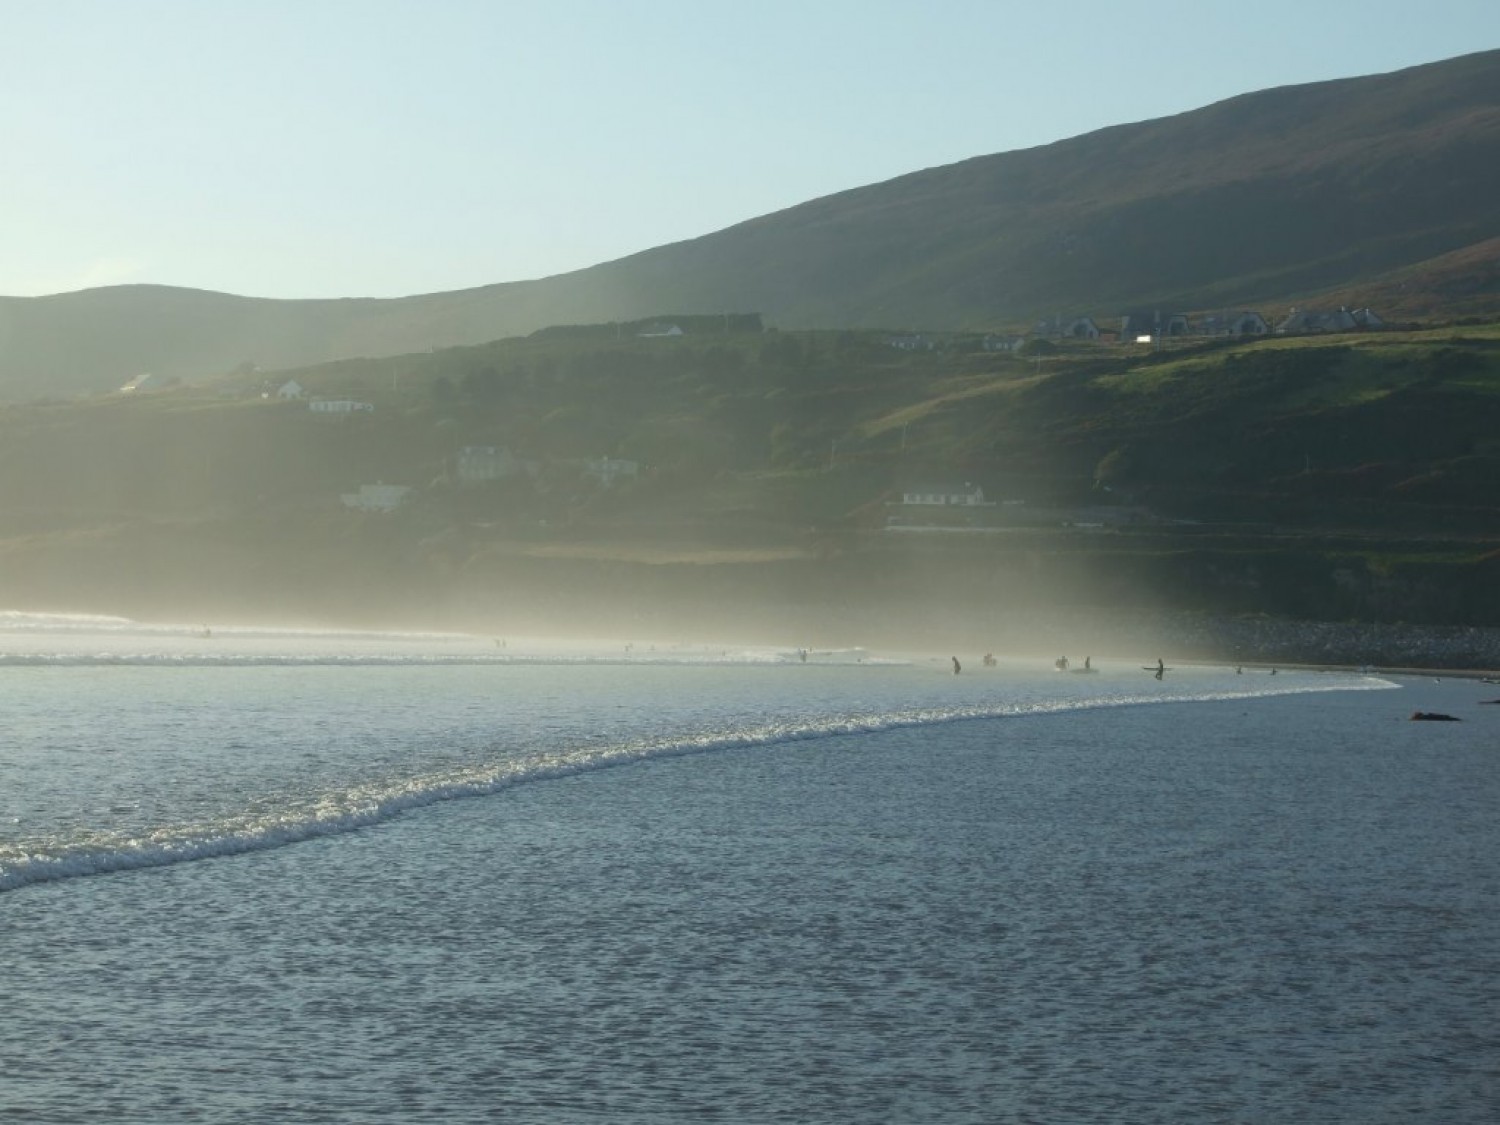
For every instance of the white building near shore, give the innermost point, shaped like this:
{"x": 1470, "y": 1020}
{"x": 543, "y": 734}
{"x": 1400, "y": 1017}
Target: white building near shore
{"x": 377, "y": 497}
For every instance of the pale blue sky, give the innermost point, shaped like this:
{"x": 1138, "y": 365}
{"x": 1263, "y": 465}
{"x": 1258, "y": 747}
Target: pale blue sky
{"x": 332, "y": 148}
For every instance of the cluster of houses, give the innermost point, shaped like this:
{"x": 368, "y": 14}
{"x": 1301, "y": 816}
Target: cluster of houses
{"x": 291, "y": 391}
{"x": 472, "y": 464}
{"x": 954, "y": 507}
{"x": 482, "y": 464}
{"x": 1147, "y": 327}
{"x": 1151, "y": 327}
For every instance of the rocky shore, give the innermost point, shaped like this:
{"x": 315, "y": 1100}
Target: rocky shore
{"x": 1252, "y": 639}
{"x": 1261, "y": 640}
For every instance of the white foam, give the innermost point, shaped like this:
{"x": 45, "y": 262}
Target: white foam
{"x": 336, "y": 812}
{"x": 13, "y": 619}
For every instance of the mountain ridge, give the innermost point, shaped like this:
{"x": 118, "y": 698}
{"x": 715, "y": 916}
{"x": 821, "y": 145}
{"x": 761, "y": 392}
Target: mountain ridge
{"x": 1269, "y": 197}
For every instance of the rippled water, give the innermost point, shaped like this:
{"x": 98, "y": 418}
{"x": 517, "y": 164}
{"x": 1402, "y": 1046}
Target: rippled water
{"x": 699, "y": 885}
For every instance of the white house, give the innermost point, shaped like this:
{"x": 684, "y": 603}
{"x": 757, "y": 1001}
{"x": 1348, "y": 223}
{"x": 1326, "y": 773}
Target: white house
{"x": 476, "y": 464}
{"x": 912, "y": 343}
{"x": 1004, "y": 343}
{"x": 964, "y": 495}
{"x": 1231, "y": 324}
{"x": 290, "y": 390}
{"x": 659, "y": 331}
{"x": 377, "y": 497}
{"x": 1151, "y": 325}
{"x": 607, "y": 470}
{"x": 1319, "y": 320}
{"x": 1246, "y": 324}
{"x": 340, "y": 406}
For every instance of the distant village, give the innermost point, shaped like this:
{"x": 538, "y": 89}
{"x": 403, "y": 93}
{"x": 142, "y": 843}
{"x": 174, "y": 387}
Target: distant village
{"x": 943, "y": 507}
{"x": 1154, "y": 326}
{"x": 470, "y": 465}
{"x": 1139, "y": 327}
{"x": 915, "y": 511}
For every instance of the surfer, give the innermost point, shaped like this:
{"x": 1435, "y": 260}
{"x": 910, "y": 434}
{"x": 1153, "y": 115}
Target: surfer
{"x": 957, "y": 667}
{"x": 1087, "y": 661}
{"x": 989, "y": 660}
{"x": 1161, "y": 668}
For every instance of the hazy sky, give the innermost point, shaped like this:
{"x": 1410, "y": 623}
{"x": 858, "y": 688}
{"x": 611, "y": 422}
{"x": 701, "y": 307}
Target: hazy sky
{"x": 329, "y": 148}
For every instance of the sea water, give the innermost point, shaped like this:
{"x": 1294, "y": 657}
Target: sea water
{"x": 254, "y": 876}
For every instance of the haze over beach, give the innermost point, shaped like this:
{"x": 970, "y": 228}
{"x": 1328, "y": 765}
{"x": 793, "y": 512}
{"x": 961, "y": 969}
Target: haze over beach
{"x": 792, "y": 288}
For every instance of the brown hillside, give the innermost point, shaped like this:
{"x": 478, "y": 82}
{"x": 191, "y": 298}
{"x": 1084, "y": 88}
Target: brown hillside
{"x": 1258, "y": 200}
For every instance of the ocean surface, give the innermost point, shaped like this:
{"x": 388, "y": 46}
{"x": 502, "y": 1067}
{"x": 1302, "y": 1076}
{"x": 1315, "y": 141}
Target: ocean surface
{"x": 290, "y": 876}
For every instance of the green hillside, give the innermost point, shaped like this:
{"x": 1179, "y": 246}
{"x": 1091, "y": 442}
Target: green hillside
{"x": 1339, "y": 478}
{"x": 1376, "y": 189}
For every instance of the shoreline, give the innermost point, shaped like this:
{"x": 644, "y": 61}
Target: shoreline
{"x": 1251, "y": 641}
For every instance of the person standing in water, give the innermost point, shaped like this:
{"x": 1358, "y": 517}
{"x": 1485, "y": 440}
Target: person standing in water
{"x": 957, "y": 667}
{"x": 1161, "y": 668}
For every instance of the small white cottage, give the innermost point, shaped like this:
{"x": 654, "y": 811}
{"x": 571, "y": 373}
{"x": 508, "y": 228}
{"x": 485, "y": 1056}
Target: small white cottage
{"x": 377, "y": 497}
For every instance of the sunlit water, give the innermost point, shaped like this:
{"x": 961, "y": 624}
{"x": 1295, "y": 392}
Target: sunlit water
{"x": 251, "y": 877}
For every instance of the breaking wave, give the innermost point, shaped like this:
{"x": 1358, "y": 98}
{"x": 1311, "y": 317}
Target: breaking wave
{"x": 336, "y": 812}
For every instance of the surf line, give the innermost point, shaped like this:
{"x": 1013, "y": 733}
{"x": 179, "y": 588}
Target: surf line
{"x": 352, "y": 810}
